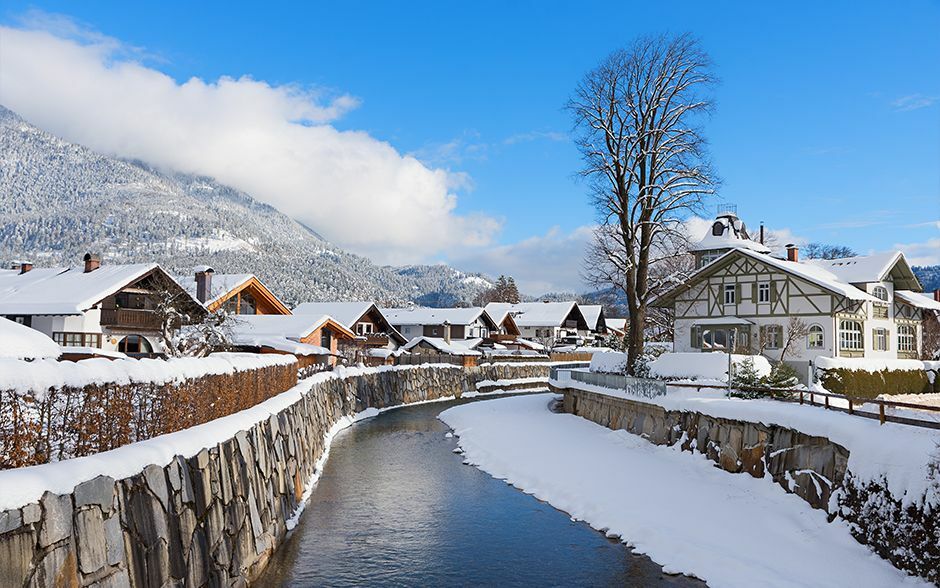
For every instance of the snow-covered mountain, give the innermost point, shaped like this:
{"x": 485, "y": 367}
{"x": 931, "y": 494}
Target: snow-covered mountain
{"x": 59, "y": 200}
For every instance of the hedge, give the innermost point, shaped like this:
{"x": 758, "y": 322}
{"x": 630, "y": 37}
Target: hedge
{"x": 866, "y": 384}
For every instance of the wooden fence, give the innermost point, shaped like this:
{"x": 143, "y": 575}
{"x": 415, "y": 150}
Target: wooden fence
{"x": 580, "y": 356}
{"x": 65, "y": 422}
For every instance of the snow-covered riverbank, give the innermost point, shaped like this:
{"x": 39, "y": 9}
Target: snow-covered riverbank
{"x": 677, "y": 508}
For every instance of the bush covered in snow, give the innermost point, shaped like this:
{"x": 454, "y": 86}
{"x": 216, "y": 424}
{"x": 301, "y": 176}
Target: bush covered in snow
{"x": 701, "y": 366}
{"x": 868, "y": 378}
{"x": 611, "y": 362}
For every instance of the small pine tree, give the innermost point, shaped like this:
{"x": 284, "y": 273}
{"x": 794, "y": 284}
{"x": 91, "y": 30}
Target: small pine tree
{"x": 745, "y": 374}
{"x": 782, "y": 376}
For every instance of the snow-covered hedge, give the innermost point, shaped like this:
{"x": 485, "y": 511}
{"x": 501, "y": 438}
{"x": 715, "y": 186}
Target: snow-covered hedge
{"x": 701, "y": 366}
{"x": 609, "y": 362}
{"x": 870, "y": 378}
{"x": 53, "y": 410}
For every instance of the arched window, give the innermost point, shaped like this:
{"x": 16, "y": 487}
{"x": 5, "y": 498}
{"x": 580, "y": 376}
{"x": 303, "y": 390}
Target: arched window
{"x": 134, "y": 345}
{"x": 907, "y": 338}
{"x": 850, "y": 336}
{"x": 880, "y": 292}
{"x": 718, "y": 229}
{"x": 816, "y": 337}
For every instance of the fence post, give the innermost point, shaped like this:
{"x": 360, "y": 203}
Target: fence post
{"x": 827, "y": 401}
{"x": 881, "y": 412}
{"x": 801, "y": 397}
{"x": 850, "y": 406}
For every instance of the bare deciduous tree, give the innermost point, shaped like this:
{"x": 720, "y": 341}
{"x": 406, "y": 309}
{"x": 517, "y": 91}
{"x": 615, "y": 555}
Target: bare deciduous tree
{"x": 635, "y": 119}
{"x": 797, "y": 330}
{"x": 824, "y": 251}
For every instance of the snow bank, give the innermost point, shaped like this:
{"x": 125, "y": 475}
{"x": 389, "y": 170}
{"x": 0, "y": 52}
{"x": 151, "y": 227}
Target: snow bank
{"x": 675, "y": 507}
{"x": 36, "y": 377}
{"x": 612, "y": 362}
{"x": 21, "y": 342}
{"x": 701, "y": 366}
{"x": 893, "y": 454}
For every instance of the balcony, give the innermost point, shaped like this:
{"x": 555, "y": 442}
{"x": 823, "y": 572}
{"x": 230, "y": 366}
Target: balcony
{"x": 123, "y": 318}
{"x": 501, "y": 337}
{"x": 373, "y": 340}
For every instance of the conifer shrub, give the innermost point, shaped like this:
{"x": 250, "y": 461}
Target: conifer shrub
{"x": 865, "y": 384}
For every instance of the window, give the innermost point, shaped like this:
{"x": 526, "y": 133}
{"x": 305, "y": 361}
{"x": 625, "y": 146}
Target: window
{"x": 881, "y": 340}
{"x": 326, "y": 339}
{"x": 131, "y": 300}
{"x": 879, "y": 311}
{"x": 815, "y": 338}
{"x": 763, "y": 292}
{"x": 907, "y": 338}
{"x": 718, "y": 229}
{"x": 880, "y": 292}
{"x": 246, "y": 303}
{"x": 364, "y": 328}
{"x": 850, "y": 336}
{"x": 729, "y": 293}
{"x": 134, "y": 344}
{"x": 709, "y": 257}
{"x": 65, "y": 339}
{"x": 773, "y": 335}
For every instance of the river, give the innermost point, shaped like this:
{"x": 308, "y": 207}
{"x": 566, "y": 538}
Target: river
{"x": 395, "y": 506}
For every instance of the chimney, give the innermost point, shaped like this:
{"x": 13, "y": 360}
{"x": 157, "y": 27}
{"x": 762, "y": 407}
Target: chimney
{"x": 26, "y": 266}
{"x": 936, "y": 294}
{"x": 447, "y": 332}
{"x": 203, "y": 283}
{"x": 793, "y": 253}
{"x": 762, "y": 232}
{"x": 92, "y": 262}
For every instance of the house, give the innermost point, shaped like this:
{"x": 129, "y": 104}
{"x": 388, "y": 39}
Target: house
{"x": 95, "y": 309}
{"x": 465, "y": 349}
{"x": 558, "y": 322}
{"x": 236, "y": 293}
{"x": 313, "y": 339}
{"x": 442, "y": 323}
{"x": 616, "y": 326}
{"x": 370, "y": 326}
{"x": 596, "y": 321}
{"x": 742, "y": 298}
{"x": 506, "y": 333}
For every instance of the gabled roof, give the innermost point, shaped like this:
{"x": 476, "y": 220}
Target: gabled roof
{"x": 224, "y": 286}
{"x": 452, "y": 348}
{"x": 864, "y": 269}
{"x": 65, "y": 290}
{"x": 917, "y": 299}
{"x": 348, "y": 314}
{"x": 436, "y": 316}
{"x": 21, "y": 342}
{"x": 592, "y": 314}
{"x": 293, "y": 326}
{"x": 536, "y": 314}
{"x": 809, "y": 272}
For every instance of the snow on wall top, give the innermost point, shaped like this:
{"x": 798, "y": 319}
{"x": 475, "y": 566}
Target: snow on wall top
{"x": 21, "y": 342}
{"x": 64, "y": 290}
{"x": 733, "y": 234}
{"x": 533, "y": 314}
{"x": 432, "y": 316}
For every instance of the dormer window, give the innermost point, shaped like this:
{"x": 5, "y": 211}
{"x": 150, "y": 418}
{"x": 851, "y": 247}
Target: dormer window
{"x": 718, "y": 229}
{"x": 880, "y": 292}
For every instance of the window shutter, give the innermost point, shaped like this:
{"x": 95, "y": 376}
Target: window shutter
{"x": 737, "y": 293}
{"x": 754, "y": 288}
{"x": 773, "y": 292}
{"x": 874, "y": 339}
{"x": 695, "y": 335}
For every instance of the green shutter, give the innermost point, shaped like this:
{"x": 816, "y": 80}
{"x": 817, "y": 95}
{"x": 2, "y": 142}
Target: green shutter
{"x": 737, "y": 293}
{"x": 754, "y": 288}
{"x": 773, "y": 292}
{"x": 874, "y": 338}
{"x": 695, "y": 335}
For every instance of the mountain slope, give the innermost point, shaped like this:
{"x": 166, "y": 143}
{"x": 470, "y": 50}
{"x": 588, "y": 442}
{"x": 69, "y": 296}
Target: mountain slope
{"x": 59, "y": 200}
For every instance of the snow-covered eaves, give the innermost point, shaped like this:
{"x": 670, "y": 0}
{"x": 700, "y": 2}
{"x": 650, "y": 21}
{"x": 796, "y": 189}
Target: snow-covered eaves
{"x": 592, "y": 314}
{"x": 434, "y": 316}
{"x": 711, "y": 243}
{"x": 282, "y": 344}
{"x": 917, "y": 299}
{"x": 293, "y": 326}
{"x": 65, "y": 291}
{"x": 350, "y": 313}
{"x": 452, "y": 348}
{"x": 535, "y": 314}
{"x": 871, "y": 268}
{"x": 722, "y": 320}
{"x": 21, "y": 342}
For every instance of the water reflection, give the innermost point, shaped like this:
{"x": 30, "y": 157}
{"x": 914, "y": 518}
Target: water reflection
{"x": 396, "y": 507}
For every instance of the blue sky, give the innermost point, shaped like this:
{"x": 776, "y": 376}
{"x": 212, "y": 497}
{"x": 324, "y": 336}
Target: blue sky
{"x": 827, "y": 121}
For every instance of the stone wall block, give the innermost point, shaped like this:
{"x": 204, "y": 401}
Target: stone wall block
{"x": 57, "y": 518}
{"x": 10, "y": 520}
{"x": 32, "y": 513}
{"x": 16, "y": 555}
{"x": 57, "y": 567}
{"x": 90, "y": 540}
{"x": 97, "y": 491}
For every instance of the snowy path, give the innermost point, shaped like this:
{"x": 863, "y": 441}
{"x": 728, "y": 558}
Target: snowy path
{"x": 677, "y": 508}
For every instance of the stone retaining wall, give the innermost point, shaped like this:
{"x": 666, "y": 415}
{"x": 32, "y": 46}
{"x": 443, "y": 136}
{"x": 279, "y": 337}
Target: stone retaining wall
{"x": 216, "y": 517}
{"x": 811, "y": 467}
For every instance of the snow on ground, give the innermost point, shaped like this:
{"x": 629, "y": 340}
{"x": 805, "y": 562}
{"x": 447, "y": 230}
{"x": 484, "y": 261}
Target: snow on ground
{"x": 898, "y": 454}
{"x": 21, "y": 342}
{"x": 675, "y": 507}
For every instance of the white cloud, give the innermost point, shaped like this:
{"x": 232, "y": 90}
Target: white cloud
{"x": 273, "y": 142}
{"x": 925, "y": 253}
{"x": 913, "y": 102}
{"x": 552, "y": 262}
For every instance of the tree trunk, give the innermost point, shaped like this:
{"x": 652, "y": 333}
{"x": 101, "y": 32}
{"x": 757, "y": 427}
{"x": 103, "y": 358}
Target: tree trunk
{"x": 635, "y": 335}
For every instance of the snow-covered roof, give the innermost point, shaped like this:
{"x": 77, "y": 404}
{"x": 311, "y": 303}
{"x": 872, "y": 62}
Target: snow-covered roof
{"x": 530, "y": 344}
{"x": 722, "y": 320}
{"x": 533, "y": 314}
{"x": 810, "y": 272}
{"x": 345, "y": 313}
{"x": 616, "y": 323}
{"x": 282, "y": 344}
{"x": 733, "y": 235}
{"x": 295, "y": 326}
{"x": 65, "y": 290}
{"x": 222, "y": 284}
{"x": 432, "y": 316}
{"x": 452, "y": 348}
{"x": 592, "y": 314}
{"x": 863, "y": 268}
{"x": 21, "y": 342}
{"x": 917, "y": 299}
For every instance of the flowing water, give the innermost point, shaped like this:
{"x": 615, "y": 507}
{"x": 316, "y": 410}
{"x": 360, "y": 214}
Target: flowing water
{"x": 396, "y": 507}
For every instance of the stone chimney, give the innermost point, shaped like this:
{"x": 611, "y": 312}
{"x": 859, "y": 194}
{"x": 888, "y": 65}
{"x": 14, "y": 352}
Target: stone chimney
{"x": 92, "y": 262}
{"x": 793, "y": 253}
{"x": 447, "y": 332}
{"x": 25, "y": 266}
{"x": 203, "y": 283}
{"x": 936, "y": 294}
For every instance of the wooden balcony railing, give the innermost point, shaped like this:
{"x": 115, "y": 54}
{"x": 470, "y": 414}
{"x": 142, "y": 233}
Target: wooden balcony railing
{"x": 501, "y": 337}
{"x": 124, "y": 318}
{"x": 374, "y": 340}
